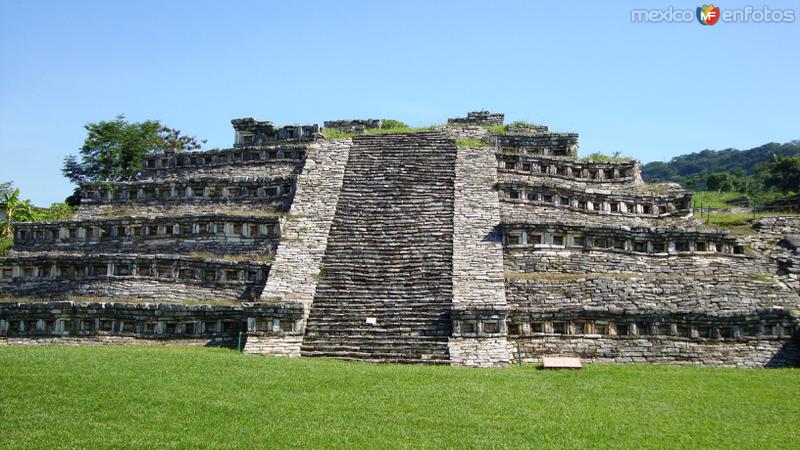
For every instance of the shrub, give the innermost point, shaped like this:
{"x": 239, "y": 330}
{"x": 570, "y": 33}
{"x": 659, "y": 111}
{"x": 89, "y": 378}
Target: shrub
{"x": 391, "y": 124}
{"x": 496, "y": 129}
{"x": 473, "y": 143}
{"x": 5, "y": 246}
{"x": 602, "y": 157}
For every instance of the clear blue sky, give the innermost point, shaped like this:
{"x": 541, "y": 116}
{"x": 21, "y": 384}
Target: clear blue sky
{"x": 651, "y": 91}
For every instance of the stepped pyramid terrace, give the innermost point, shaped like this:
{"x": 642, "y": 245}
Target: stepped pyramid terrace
{"x": 473, "y": 243}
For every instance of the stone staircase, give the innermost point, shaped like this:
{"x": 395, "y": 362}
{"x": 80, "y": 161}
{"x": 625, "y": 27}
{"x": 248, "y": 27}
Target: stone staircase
{"x": 385, "y": 288}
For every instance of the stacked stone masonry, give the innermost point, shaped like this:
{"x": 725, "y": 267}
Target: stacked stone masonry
{"x": 218, "y": 234}
{"x": 589, "y": 202}
{"x": 405, "y": 248}
{"x": 251, "y": 132}
{"x": 297, "y": 268}
{"x": 478, "y": 118}
{"x": 163, "y": 277}
{"x": 478, "y": 289}
{"x": 115, "y": 323}
{"x": 600, "y": 172}
{"x": 353, "y": 126}
{"x": 385, "y": 291}
{"x": 547, "y": 144}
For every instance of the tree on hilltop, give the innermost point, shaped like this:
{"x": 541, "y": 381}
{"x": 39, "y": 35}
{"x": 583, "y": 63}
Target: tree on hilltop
{"x": 782, "y": 174}
{"x": 113, "y": 150}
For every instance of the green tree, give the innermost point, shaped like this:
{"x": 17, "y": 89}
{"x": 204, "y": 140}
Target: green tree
{"x": 15, "y": 210}
{"x": 721, "y": 182}
{"x": 782, "y": 174}
{"x": 113, "y": 150}
{"x": 392, "y": 123}
{"x": 56, "y": 211}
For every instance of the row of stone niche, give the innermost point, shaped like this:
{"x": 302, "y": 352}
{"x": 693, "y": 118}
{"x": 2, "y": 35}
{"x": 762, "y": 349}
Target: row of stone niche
{"x": 353, "y": 125}
{"x": 249, "y": 131}
{"x": 221, "y": 157}
{"x": 244, "y": 227}
{"x": 597, "y": 203}
{"x": 493, "y": 327}
{"x": 150, "y": 327}
{"x": 187, "y": 190}
{"x": 569, "y": 239}
{"x": 561, "y": 145}
{"x": 583, "y": 171}
{"x": 157, "y": 268}
{"x": 628, "y": 327}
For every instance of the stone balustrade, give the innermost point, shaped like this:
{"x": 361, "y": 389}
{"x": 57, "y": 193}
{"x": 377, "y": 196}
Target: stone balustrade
{"x": 253, "y": 190}
{"x": 182, "y": 233}
{"x": 479, "y": 322}
{"x": 650, "y": 241}
{"x": 762, "y": 323}
{"x": 241, "y": 155}
{"x": 148, "y": 320}
{"x": 545, "y": 144}
{"x": 634, "y": 203}
{"x": 586, "y": 171}
{"x": 251, "y": 132}
{"x": 29, "y": 273}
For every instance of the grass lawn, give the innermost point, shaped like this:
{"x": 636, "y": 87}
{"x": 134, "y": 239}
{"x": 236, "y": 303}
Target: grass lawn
{"x": 198, "y": 397}
{"x": 714, "y": 199}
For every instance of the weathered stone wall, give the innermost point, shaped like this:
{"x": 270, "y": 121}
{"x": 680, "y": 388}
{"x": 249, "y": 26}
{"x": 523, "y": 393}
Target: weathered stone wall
{"x": 171, "y": 164}
{"x": 110, "y": 322}
{"x": 544, "y": 236}
{"x": 596, "y": 349}
{"x": 778, "y": 227}
{"x": 48, "y": 341}
{"x": 518, "y": 211}
{"x": 273, "y": 345}
{"x": 168, "y": 278}
{"x": 254, "y": 132}
{"x": 305, "y": 229}
{"x": 219, "y": 234}
{"x": 475, "y": 132}
{"x": 591, "y": 202}
{"x": 634, "y": 292}
{"x": 479, "y": 118}
{"x": 610, "y": 260}
{"x": 253, "y": 190}
{"x": 477, "y": 238}
{"x": 522, "y": 128}
{"x": 353, "y": 126}
{"x": 296, "y": 268}
{"x": 592, "y": 186}
{"x": 193, "y": 196}
{"x": 480, "y": 352}
{"x": 554, "y": 168}
{"x": 386, "y": 291}
{"x": 550, "y": 144}
{"x": 404, "y": 248}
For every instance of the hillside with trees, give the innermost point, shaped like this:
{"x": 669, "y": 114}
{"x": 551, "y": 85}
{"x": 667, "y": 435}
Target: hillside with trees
{"x": 693, "y": 169}
{"x": 764, "y": 179}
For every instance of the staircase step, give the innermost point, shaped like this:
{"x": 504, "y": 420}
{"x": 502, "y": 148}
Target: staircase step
{"x": 389, "y": 254}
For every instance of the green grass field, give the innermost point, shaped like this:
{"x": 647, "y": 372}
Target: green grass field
{"x": 213, "y": 398}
